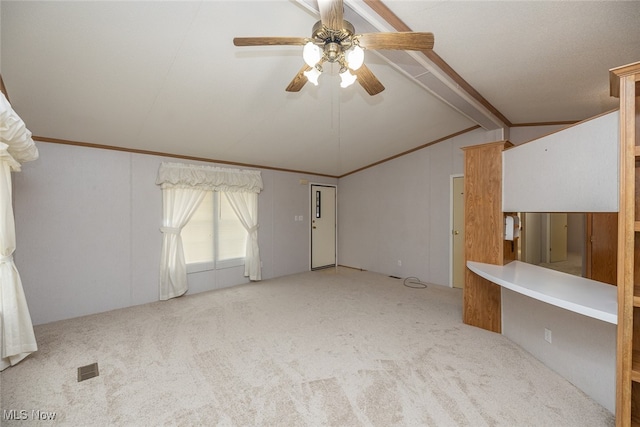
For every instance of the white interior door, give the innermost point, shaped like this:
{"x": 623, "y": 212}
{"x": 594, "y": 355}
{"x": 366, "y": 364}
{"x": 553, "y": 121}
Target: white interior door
{"x": 557, "y": 237}
{"x": 458, "y": 233}
{"x": 323, "y": 226}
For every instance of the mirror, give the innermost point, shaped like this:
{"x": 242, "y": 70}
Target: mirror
{"x": 582, "y": 244}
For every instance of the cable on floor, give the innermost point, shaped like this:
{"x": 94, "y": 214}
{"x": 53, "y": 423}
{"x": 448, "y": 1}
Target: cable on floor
{"x": 414, "y": 282}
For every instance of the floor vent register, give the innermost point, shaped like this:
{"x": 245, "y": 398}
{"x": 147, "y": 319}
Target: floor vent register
{"x": 87, "y": 372}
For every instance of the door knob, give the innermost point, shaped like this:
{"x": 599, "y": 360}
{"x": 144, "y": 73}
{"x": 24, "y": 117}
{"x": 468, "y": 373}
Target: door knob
{"x": 314, "y": 227}
{"x": 456, "y": 232}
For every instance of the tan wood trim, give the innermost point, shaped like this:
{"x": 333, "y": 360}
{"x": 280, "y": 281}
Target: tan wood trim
{"x": 558, "y": 123}
{"x": 381, "y": 9}
{"x": 587, "y": 244}
{"x": 225, "y": 162}
{"x": 175, "y": 156}
{"x": 626, "y": 244}
{"x": 615, "y": 74}
{"x": 487, "y": 144}
{"x": 566, "y": 127}
{"x": 404, "y": 153}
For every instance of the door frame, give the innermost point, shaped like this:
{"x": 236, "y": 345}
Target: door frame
{"x": 310, "y": 207}
{"x": 451, "y": 178}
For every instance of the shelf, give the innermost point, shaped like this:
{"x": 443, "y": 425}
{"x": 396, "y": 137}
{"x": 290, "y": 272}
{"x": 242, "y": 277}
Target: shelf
{"x": 636, "y": 226}
{"x": 635, "y": 366}
{"x": 637, "y": 151}
{"x": 578, "y": 294}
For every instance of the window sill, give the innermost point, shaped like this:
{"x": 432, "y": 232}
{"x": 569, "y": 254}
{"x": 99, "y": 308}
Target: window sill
{"x": 199, "y": 267}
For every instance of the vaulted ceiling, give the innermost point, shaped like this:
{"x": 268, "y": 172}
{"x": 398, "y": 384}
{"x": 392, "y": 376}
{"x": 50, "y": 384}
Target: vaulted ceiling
{"x": 165, "y": 77}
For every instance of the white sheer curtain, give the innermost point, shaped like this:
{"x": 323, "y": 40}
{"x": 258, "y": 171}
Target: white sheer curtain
{"x": 17, "y": 339}
{"x": 245, "y": 205}
{"x": 178, "y": 205}
{"x": 183, "y": 188}
{"x": 16, "y": 329}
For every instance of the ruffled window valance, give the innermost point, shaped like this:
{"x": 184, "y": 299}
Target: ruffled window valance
{"x": 179, "y": 175}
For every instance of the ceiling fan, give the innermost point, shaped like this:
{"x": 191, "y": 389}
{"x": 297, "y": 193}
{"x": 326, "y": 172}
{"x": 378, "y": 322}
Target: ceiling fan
{"x": 334, "y": 40}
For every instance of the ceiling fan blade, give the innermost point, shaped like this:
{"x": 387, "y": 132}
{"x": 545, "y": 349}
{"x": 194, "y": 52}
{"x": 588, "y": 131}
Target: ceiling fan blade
{"x": 399, "y": 41}
{"x": 299, "y": 80}
{"x": 368, "y": 80}
{"x": 269, "y": 41}
{"x": 332, "y": 13}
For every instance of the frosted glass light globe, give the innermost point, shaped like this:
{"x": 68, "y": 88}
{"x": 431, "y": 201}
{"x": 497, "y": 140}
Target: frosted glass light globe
{"x": 347, "y": 79}
{"x": 355, "y": 57}
{"x": 311, "y": 54}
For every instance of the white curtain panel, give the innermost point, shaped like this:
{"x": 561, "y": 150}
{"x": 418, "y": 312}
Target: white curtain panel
{"x": 245, "y": 205}
{"x": 17, "y": 339}
{"x": 178, "y": 206}
{"x": 183, "y": 188}
{"x": 15, "y": 134}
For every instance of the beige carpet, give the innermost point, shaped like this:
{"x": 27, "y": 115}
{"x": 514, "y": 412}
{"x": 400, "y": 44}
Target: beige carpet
{"x": 344, "y": 348}
{"x": 572, "y": 265}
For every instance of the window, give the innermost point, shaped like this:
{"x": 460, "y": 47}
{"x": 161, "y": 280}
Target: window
{"x": 214, "y": 236}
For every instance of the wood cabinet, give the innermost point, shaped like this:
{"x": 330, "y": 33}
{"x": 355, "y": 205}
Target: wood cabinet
{"x": 484, "y": 233}
{"x": 625, "y": 83}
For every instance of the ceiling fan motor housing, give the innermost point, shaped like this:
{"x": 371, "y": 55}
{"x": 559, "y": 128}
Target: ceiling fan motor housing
{"x": 333, "y": 42}
{"x": 332, "y": 51}
{"x": 323, "y": 34}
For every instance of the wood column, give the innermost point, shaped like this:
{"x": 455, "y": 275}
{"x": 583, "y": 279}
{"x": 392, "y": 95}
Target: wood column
{"x": 484, "y": 234}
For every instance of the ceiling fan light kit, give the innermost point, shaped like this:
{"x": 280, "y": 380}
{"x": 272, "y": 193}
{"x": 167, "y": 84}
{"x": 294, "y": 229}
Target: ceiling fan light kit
{"x": 334, "y": 40}
{"x": 311, "y": 54}
{"x": 347, "y": 79}
{"x": 312, "y": 75}
{"x": 355, "y": 57}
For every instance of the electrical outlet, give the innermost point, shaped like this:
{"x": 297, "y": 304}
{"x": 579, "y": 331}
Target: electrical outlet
{"x": 547, "y": 335}
{"x": 399, "y": 263}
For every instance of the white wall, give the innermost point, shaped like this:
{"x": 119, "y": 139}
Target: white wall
{"x": 522, "y": 134}
{"x": 582, "y": 349}
{"x": 87, "y": 224}
{"x": 400, "y": 211}
{"x": 575, "y": 170}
